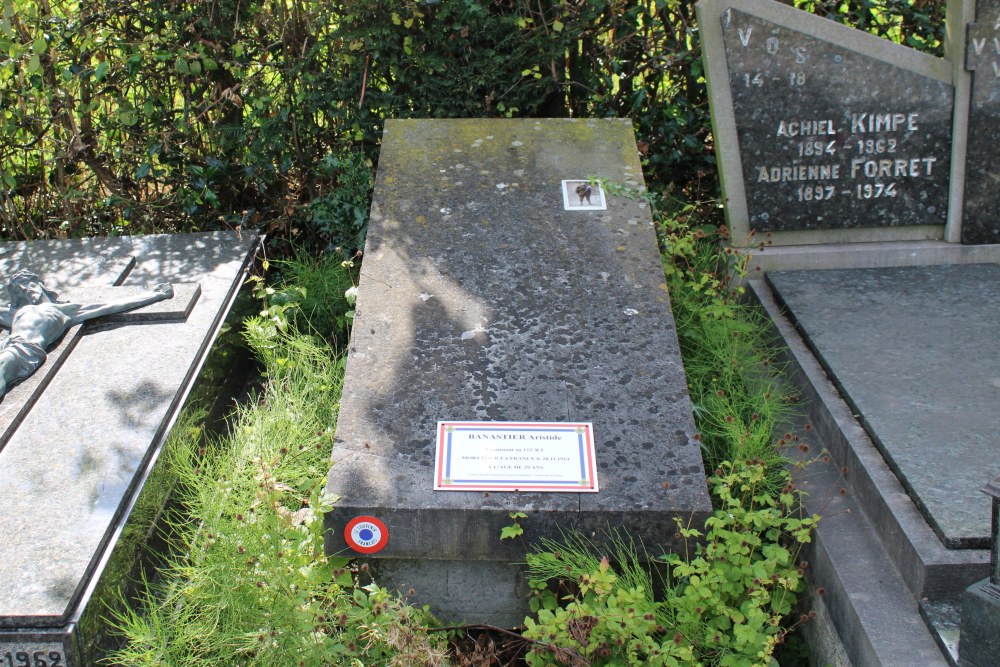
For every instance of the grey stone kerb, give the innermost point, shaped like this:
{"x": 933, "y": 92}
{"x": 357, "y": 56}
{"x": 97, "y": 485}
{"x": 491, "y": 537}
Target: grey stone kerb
{"x": 486, "y": 297}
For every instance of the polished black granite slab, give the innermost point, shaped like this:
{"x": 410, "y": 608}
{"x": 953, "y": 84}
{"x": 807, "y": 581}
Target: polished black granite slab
{"x": 913, "y": 350}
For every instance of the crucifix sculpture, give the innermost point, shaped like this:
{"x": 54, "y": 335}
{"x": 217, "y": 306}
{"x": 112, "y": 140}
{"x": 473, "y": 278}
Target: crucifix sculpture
{"x": 36, "y": 319}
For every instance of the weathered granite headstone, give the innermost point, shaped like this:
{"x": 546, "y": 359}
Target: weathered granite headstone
{"x": 495, "y": 290}
{"x": 79, "y": 486}
{"x": 980, "y": 223}
{"x": 865, "y": 163}
{"x": 836, "y": 129}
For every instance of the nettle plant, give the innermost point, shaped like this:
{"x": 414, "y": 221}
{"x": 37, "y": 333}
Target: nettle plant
{"x": 723, "y": 601}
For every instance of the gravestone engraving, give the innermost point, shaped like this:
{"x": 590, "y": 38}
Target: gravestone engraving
{"x": 830, "y": 138}
{"x": 823, "y": 132}
{"x": 79, "y": 484}
{"x": 980, "y": 223}
{"x": 485, "y": 298}
{"x": 852, "y": 151}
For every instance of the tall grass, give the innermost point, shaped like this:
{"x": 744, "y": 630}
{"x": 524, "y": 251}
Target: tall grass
{"x": 740, "y": 397}
{"x": 321, "y": 281}
{"x": 249, "y": 582}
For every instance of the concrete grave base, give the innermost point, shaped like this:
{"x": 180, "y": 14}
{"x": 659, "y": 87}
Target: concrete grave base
{"x": 854, "y": 579}
{"x": 944, "y": 618}
{"x": 889, "y": 323}
{"x": 460, "y": 591}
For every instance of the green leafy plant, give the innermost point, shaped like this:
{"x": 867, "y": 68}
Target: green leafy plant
{"x": 513, "y": 530}
{"x": 916, "y": 23}
{"x": 122, "y": 116}
{"x": 338, "y": 215}
{"x": 722, "y": 602}
{"x": 325, "y": 306}
{"x": 725, "y": 600}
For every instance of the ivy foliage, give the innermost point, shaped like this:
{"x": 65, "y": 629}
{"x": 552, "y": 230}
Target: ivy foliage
{"x": 129, "y": 116}
{"x": 916, "y": 23}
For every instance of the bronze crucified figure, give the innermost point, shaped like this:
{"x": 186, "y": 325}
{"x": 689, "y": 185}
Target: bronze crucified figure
{"x": 36, "y": 319}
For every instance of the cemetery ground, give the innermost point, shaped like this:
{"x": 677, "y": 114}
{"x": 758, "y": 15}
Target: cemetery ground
{"x": 208, "y": 116}
{"x": 246, "y": 574}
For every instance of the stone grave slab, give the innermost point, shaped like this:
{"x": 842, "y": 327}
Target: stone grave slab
{"x": 489, "y": 294}
{"x": 75, "y": 467}
{"x": 821, "y": 127}
{"x": 980, "y": 223}
{"x": 910, "y": 350}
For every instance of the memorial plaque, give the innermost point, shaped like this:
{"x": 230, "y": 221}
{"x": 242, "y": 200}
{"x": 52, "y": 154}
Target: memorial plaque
{"x": 513, "y": 456}
{"x": 980, "y": 223}
{"x": 831, "y": 138}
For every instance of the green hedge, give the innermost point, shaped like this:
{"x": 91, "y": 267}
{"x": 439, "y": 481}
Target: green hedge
{"x": 128, "y": 116}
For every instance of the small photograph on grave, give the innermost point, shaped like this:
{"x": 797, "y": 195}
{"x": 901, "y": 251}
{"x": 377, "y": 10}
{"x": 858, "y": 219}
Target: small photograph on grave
{"x": 583, "y": 195}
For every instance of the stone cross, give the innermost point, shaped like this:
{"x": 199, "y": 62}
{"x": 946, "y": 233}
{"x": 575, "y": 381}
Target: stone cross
{"x": 982, "y": 182}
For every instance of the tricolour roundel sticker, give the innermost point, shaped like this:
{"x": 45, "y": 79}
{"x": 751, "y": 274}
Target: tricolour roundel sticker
{"x": 366, "y": 534}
